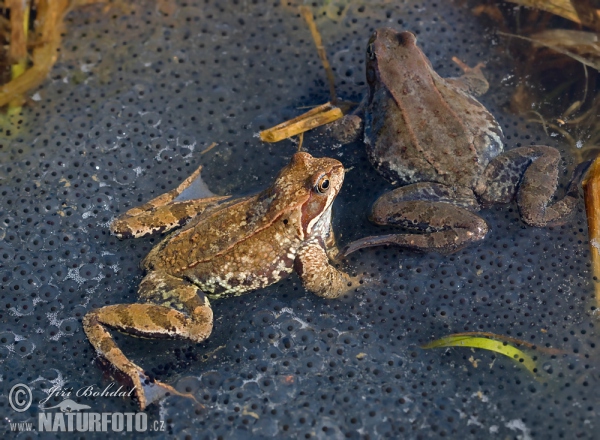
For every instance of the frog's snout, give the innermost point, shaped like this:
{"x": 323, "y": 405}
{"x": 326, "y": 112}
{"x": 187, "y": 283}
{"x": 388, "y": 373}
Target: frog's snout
{"x": 389, "y": 36}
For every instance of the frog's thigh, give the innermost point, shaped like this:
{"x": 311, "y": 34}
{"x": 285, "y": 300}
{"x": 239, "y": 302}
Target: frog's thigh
{"x": 424, "y": 191}
{"x": 151, "y": 320}
{"x": 442, "y": 227}
{"x": 531, "y": 173}
{"x": 317, "y": 274}
{"x": 177, "y": 309}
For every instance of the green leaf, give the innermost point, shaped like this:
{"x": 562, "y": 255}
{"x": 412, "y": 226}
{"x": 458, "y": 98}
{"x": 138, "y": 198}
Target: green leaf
{"x": 486, "y": 344}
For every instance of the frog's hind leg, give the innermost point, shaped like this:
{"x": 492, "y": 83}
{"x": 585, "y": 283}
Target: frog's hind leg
{"x": 530, "y": 173}
{"x": 163, "y": 213}
{"x": 183, "y": 313}
{"x": 473, "y": 80}
{"x": 442, "y": 220}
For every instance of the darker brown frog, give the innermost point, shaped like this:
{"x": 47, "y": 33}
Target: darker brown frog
{"x": 432, "y": 137}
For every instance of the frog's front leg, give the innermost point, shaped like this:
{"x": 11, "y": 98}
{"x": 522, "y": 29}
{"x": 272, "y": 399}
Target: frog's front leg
{"x": 317, "y": 273}
{"x": 162, "y": 213}
{"x": 441, "y": 219}
{"x": 331, "y": 247}
{"x": 532, "y": 174}
{"x": 174, "y": 309}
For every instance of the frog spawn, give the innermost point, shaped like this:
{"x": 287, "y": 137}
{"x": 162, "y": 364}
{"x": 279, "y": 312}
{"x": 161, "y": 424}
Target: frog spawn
{"x": 283, "y": 362}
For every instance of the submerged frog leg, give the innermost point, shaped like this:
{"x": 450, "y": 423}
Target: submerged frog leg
{"x": 177, "y": 310}
{"x": 530, "y": 173}
{"x": 162, "y": 213}
{"x": 473, "y": 81}
{"x": 448, "y": 228}
{"x": 317, "y": 274}
{"x": 440, "y": 219}
{"x": 424, "y": 191}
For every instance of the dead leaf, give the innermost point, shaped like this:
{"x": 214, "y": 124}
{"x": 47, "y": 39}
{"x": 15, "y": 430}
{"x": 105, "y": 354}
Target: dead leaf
{"x": 582, "y": 43}
{"x": 570, "y": 51}
{"x": 564, "y": 8}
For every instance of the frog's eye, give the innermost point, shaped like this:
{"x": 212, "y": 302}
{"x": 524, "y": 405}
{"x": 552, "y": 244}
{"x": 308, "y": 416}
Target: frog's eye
{"x": 370, "y": 52}
{"x": 323, "y": 185}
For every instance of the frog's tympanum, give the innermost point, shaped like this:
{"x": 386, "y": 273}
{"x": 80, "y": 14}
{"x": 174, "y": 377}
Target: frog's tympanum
{"x": 431, "y": 136}
{"x": 227, "y": 247}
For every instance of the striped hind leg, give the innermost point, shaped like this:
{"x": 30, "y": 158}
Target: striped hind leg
{"x": 183, "y": 313}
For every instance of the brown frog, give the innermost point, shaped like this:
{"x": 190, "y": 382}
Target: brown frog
{"x": 432, "y": 136}
{"x": 227, "y": 247}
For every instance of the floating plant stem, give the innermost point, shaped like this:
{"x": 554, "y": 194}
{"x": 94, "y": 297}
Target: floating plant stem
{"x": 321, "y": 115}
{"x": 314, "y": 118}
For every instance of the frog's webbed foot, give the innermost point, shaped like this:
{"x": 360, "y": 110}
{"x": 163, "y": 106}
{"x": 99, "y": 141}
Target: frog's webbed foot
{"x": 150, "y": 321}
{"x": 164, "y": 212}
{"x": 442, "y": 221}
{"x": 532, "y": 174}
{"x": 317, "y": 273}
{"x": 150, "y": 391}
{"x": 473, "y": 81}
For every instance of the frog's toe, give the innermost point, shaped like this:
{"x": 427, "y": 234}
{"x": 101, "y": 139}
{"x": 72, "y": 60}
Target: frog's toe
{"x": 138, "y": 378}
{"x": 150, "y": 391}
{"x": 367, "y": 242}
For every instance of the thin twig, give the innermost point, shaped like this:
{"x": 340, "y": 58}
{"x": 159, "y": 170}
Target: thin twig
{"x": 210, "y": 147}
{"x": 308, "y": 17}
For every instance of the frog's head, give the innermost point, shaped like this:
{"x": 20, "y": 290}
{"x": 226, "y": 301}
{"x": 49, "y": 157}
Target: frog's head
{"x": 391, "y": 56}
{"x": 310, "y": 184}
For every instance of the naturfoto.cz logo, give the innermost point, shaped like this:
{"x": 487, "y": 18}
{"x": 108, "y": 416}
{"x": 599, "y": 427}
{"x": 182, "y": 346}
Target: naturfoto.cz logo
{"x": 73, "y": 417}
